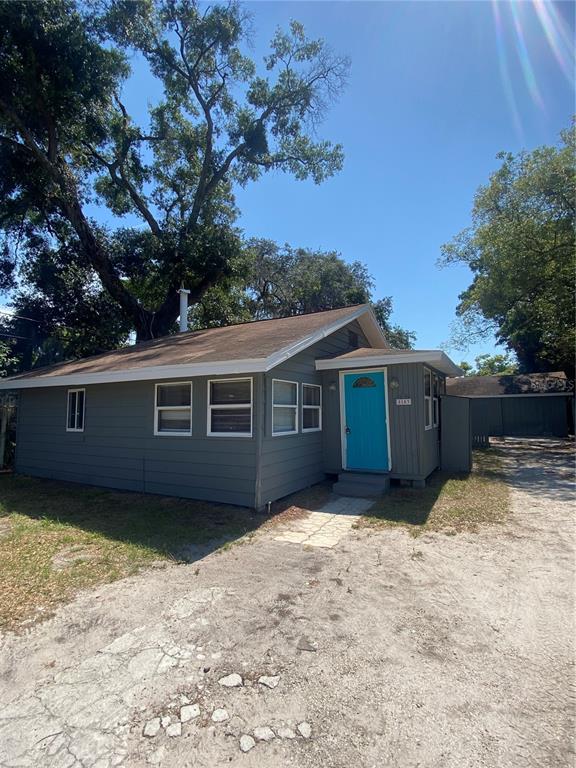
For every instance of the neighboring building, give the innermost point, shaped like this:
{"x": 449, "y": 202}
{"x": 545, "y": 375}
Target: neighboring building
{"x": 524, "y": 405}
{"x": 244, "y": 414}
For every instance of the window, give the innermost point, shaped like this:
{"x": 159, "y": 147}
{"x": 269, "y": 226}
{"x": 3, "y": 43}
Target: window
{"x": 311, "y": 407}
{"x": 173, "y": 409}
{"x": 364, "y": 382}
{"x": 75, "y": 416}
{"x": 230, "y": 407}
{"x": 353, "y": 339}
{"x": 436, "y": 401}
{"x": 428, "y": 398}
{"x": 284, "y": 407}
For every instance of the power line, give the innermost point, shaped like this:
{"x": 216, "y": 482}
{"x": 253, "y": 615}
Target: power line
{"x": 19, "y": 317}
{"x": 13, "y": 336}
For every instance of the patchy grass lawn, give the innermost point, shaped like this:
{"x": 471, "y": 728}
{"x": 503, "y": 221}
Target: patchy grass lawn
{"x": 449, "y": 503}
{"x": 57, "y": 538}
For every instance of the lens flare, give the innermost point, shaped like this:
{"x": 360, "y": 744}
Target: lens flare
{"x": 558, "y": 36}
{"x": 505, "y": 69}
{"x": 524, "y": 56}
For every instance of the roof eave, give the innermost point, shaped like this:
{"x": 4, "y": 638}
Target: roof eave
{"x": 435, "y": 358}
{"x": 156, "y": 373}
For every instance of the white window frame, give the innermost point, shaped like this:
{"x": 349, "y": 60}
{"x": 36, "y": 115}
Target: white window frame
{"x": 435, "y": 400}
{"x": 229, "y": 406}
{"x": 280, "y": 405}
{"x": 71, "y": 391}
{"x": 312, "y": 408}
{"x": 428, "y": 407}
{"x": 158, "y": 408}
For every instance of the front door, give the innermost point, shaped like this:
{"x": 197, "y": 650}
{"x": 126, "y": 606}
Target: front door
{"x": 365, "y": 430}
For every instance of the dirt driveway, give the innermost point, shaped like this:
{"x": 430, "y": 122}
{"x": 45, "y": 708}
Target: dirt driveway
{"x": 448, "y": 651}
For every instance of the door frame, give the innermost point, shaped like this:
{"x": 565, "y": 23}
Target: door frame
{"x": 353, "y": 371}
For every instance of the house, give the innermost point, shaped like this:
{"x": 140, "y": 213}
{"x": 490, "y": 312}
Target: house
{"x": 244, "y": 414}
{"x": 523, "y": 405}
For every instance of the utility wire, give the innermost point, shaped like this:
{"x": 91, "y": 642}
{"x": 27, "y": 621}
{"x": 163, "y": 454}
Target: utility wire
{"x": 19, "y": 317}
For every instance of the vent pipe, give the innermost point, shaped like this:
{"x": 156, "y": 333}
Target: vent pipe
{"x": 183, "y": 309}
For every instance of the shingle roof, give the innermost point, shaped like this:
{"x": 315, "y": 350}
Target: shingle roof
{"x": 247, "y": 343}
{"x": 496, "y": 386}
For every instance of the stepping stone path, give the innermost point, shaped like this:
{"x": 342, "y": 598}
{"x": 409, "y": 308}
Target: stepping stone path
{"x": 220, "y": 715}
{"x": 326, "y": 526}
{"x": 264, "y": 733}
{"x": 231, "y": 681}
{"x": 246, "y": 743}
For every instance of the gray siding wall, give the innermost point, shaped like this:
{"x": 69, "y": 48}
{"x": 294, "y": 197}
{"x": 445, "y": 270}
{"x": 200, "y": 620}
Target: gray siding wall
{"x": 456, "y": 438}
{"x": 118, "y": 448}
{"x": 292, "y": 462}
{"x": 414, "y": 450}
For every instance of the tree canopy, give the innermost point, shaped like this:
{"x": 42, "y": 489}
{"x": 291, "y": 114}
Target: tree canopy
{"x": 521, "y": 250}
{"x": 490, "y": 365}
{"x": 69, "y": 146}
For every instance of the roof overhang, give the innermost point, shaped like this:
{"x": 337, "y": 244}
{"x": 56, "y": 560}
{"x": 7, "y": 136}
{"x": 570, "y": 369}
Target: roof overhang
{"x": 363, "y": 315}
{"x": 434, "y": 358}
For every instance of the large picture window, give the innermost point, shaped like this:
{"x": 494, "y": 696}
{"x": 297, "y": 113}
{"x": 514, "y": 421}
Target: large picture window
{"x": 173, "y": 409}
{"x": 75, "y": 410}
{"x": 311, "y": 407}
{"x": 230, "y": 407}
{"x": 284, "y": 407}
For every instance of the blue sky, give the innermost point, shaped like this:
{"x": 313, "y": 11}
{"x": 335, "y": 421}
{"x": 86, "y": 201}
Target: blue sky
{"x": 426, "y": 110}
{"x": 436, "y": 90}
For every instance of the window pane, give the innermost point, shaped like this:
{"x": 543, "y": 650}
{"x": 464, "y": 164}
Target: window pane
{"x": 284, "y": 420}
{"x": 428, "y": 407}
{"x": 80, "y": 410}
{"x": 311, "y": 418}
{"x": 71, "y": 409}
{"x": 230, "y": 420}
{"x": 364, "y": 382}
{"x": 285, "y": 393}
{"x": 174, "y": 421}
{"x": 311, "y": 395}
{"x": 173, "y": 394}
{"x": 436, "y": 411}
{"x": 427, "y": 383}
{"x": 222, "y": 392}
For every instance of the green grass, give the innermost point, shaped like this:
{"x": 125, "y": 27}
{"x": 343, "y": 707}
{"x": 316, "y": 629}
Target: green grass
{"x": 57, "y": 538}
{"x": 449, "y": 503}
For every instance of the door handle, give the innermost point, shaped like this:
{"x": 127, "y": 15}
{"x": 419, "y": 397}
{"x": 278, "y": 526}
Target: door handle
{"x": 348, "y": 430}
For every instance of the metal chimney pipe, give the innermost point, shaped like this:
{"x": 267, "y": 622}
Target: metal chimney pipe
{"x": 183, "y": 309}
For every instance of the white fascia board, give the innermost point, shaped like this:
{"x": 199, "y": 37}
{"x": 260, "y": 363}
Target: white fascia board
{"x": 372, "y": 330}
{"x": 155, "y": 373}
{"x": 293, "y": 349}
{"x": 436, "y": 358}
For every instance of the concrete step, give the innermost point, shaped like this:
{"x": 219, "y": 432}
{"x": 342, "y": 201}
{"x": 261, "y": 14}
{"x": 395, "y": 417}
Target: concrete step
{"x": 356, "y": 486}
{"x": 365, "y": 478}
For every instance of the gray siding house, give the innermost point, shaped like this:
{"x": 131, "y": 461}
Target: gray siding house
{"x": 244, "y": 414}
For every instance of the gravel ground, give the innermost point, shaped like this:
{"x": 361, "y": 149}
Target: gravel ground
{"x": 448, "y": 651}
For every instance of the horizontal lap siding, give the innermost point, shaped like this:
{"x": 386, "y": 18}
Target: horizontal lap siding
{"x": 118, "y": 448}
{"x": 292, "y": 462}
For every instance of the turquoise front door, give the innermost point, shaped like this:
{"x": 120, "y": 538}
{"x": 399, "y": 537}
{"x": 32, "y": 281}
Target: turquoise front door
{"x": 365, "y": 428}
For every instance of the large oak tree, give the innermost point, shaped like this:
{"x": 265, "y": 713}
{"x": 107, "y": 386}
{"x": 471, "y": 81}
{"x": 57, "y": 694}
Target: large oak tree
{"x": 67, "y": 141}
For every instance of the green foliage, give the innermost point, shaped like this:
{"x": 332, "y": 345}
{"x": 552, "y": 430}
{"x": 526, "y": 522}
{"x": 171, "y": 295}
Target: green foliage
{"x": 521, "y": 250}
{"x": 279, "y": 281}
{"x": 490, "y": 365}
{"x": 66, "y": 139}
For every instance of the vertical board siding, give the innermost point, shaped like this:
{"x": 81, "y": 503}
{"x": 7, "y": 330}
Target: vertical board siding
{"x": 526, "y": 416}
{"x": 118, "y": 448}
{"x": 292, "y": 462}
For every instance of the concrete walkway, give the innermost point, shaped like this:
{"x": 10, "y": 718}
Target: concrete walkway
{"x": 326, "y": 526}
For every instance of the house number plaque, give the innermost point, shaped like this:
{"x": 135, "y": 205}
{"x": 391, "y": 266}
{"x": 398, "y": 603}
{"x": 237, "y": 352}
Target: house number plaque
{"x": 404, "y": 401}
